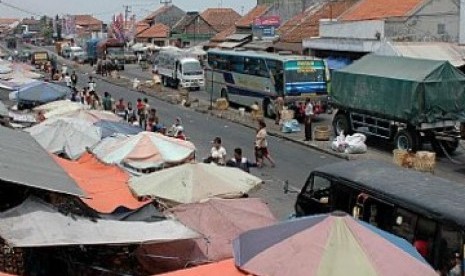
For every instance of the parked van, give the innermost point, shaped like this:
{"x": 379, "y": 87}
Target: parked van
{"x": 76, "y": 53}
{"x": 426, "y": 210}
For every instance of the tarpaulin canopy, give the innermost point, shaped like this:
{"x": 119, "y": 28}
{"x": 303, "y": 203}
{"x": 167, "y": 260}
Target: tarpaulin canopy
{"x": 67, "y": 136}
{"x": 36, "y": 224}
{"x": 15, "y": 84}
{"x": 110, "y": 128}
{"x": 223, "y": 268}
{"x": 42, "y": 92}
{"x": 405, "y": 89}
{"x": 190, "y": 183}
{"x": 58, "y": 108}
{"x": 334, "y": 244}
{"x": 218, "y": 220}
{"x": 106, "y": 185}
{"x": 144, "y": 150}
{"x": 93, "y": 116}
{"x": 24, "y": 162}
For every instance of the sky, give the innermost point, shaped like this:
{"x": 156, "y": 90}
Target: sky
{"x": 104, "y": 9}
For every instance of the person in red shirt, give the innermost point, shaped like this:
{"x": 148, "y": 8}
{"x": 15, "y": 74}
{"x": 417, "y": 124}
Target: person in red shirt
{"x": 140, "y": 106}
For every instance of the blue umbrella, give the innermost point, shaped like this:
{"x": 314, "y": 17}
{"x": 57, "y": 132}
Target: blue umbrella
{"x": 110, "y": 128}
{"x": 42, "y": 92}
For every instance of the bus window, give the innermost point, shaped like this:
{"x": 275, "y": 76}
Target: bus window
{"x": 255, "y": 66}
{"x": 237, "y": 64}
{"x": 277, "y": 73}
{"x": 343, "y": 198}
{"x": 404, "y": 225}
{"x": 425, "y": 233}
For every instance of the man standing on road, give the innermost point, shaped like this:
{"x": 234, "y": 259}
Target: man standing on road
{"x": 107, "y": 102}
{"x": 74, "y": 79}
{"x": 308, "y": 120}
{"x": 68, "y": 80}
{"x": 91, "y": 84}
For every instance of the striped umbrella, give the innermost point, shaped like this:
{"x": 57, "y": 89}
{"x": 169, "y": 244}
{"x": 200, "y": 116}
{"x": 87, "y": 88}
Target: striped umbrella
{"x": 334, "y": 244}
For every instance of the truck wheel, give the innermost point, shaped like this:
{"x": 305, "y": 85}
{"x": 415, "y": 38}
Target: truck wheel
{"x": 406, "y": 140}
{"x": 449, "y": 146}
{"x": 341, "y": 124}
{"x": 268, "y": 108}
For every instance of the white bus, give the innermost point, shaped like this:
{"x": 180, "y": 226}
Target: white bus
{"x": 244, "y": 77}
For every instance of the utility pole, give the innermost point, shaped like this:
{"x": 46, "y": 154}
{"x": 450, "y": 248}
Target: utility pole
{"x": 127, "y": 10}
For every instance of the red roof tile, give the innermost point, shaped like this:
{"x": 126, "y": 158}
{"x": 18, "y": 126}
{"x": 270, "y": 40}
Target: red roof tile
{"x": 221, "y": 36}
{"x": 8, "y": 21}
{"x": 86, "y": 20}
{"x": 307, "y": 24}
{"x": 141, "y": 26}
{"x": 156, "y": 31}
{"x": 380, "y": 9}
{"x": 247, "y": 20}
{"x": 220, "y": 18}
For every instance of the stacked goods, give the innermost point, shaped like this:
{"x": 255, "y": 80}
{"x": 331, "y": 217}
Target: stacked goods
{"x": 424, "y": 161}
{"x": 11, "y": 259}
{"x": 222, "y": 104}
{"x": 322, "y": 133}
{"x": 404, "y": 158}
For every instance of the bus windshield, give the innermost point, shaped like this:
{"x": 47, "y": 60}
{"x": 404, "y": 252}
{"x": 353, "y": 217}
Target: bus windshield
{"x": 304, "y": 71}
{"x": 192, "y": 68}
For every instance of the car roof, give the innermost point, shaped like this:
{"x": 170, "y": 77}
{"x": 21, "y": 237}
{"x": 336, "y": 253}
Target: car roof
{"x": 420, "y": 192}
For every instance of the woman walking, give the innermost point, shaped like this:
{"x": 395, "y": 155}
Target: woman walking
{"x": 261, "y": 146}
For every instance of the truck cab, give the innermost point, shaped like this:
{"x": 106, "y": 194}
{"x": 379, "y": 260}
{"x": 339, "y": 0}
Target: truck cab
{"x": 190, "y": 73}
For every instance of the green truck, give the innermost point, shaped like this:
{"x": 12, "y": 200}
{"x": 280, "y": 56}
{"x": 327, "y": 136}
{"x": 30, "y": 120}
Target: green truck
{"x": 407, "y": 101}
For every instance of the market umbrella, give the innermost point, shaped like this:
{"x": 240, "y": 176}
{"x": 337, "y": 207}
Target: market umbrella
{"x": 58, "y": 108}
{"x": 192, "y": 183}
{"x": 144, "y": 150}
{"x": 110, "y": 128}
{"x": 92, "y": 116}
{"x": 106, "y": 185}
{"x": 66, "y": 136}
{"x": 42, "y": 92}
{"x": 223, "y": 268}
{"x": 332, "y": 244}
{"x": 219, "y": 221}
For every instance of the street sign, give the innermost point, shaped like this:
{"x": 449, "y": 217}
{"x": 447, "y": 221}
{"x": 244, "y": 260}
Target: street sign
{"x": 265, "y": 26}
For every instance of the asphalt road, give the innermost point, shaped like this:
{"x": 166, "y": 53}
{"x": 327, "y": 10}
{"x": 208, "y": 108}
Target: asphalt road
{"x": 294, "y": 162}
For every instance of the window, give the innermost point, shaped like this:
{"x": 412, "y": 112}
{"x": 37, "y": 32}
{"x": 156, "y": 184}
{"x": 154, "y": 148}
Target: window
{"x": 441, "y": 28}
{"x": 405, "y": 223}
{"x": 237, "y": 64}
{"x": 256, "y": 66}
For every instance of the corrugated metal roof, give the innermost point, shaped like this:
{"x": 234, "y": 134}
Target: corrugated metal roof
{"x": 425, "y": 50}
{"x": 24, "y": 162}
{"x": 238, "y": 37}
{"x": 231, "y": 45}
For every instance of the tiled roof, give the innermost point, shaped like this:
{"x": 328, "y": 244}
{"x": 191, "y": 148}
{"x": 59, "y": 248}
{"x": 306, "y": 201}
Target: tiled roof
{"x": 8, "y": 21}
{"x": 185, "y": 21}
{"x": 157, "y": 12}
{"x": 86, "y": 20}
{"x": 380, "y": 9}
{"x": 220, "y": 18}
{"x": 247, "y": 20}
{"x": 30, "y": 21}
{"x": 156, "y": 31}
{"x": 221, "y": 36}
{"x": 307, "y": 24}
{"x": 141, "y": 26}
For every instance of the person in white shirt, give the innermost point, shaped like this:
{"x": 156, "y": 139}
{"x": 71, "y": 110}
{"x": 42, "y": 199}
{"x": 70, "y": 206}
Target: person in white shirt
{"x": 91, "y": 84}
{"x": 308, "y": 120}
{"x": 217, "y": 153}
{"x": 68, "y": 80}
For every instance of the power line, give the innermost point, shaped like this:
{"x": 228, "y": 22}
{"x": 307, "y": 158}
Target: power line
{"x": 18, "y": 8}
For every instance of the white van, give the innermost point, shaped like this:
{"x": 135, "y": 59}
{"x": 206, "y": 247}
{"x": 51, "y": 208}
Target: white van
{"x": 76, "y": 52}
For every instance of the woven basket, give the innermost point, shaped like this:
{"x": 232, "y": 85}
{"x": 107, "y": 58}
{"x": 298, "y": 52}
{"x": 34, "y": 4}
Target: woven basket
{"x": 222, "y": 104}
{"x": 424, "y": 161}
{"x": 399, "y": 156}
{"x": 322, "y": 133}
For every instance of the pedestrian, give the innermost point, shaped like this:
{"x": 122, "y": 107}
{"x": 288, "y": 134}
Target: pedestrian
{"x": 74, "y": 79}
{"x": 217, "y": 153}
{"x": 261, "y": 146}
{"x": 278, "y": 109}
{"x": 68, "y": 80}
{"x": 75, "y": 96}
{"x": 140, "y": 106}
{"x": 107, "y": 102}
{"x": 120, "y": 108}
{"x": 130, "y": 114}
{"x": 91, "y": 84}
{"x": 238, "y": 161}
{"x": 308, "y": 120}
{"x": 146, "y": 108}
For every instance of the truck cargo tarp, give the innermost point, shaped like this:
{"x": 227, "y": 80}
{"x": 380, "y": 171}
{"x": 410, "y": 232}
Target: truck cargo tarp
{"x": 24, "y": 162}
{"x": 37, "y": 224}
{"x": 405, "y": 89}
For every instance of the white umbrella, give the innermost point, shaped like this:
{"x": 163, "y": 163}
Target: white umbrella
{"x": 190, "y": 183}
{"x": 59, "y": 108}
{"x": 66, "y": 135}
